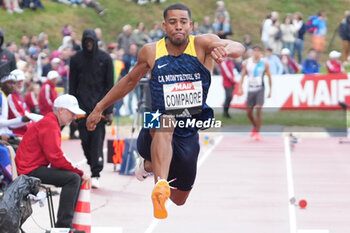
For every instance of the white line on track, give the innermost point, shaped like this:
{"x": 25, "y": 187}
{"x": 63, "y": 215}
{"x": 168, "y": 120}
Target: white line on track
{"x": 290, "y": 182}
{"x": 201, "y": 160}
{"x": 81, "y": 162}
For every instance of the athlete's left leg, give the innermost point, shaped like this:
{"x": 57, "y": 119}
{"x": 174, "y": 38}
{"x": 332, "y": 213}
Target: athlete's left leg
{"x": 258, "y": 118}
{"x": 177, "y": 196}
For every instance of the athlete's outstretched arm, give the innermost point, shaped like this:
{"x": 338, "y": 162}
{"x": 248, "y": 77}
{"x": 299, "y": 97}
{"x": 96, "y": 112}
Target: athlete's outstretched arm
{"x": 121, "y": 89}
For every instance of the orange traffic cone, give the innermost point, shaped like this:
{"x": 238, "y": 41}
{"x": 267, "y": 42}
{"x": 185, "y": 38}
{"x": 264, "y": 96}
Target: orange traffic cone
{"x": 82, "y": 215}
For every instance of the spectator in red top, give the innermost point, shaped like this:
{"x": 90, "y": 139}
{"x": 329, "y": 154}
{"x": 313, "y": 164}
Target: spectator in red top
{"x": 16, "y": 105}
{"x": 40, "y": 155}
{"x": 227, "y": 67}
{"x": 48, "y": 93}
{"x": 32, "y": 98}
{"x": 334, "y": 65}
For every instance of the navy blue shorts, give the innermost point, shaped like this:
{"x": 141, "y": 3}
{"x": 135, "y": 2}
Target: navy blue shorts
{"x": 183, "y": 165}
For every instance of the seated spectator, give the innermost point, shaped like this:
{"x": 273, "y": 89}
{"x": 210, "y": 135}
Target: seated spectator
{"x": 67, "y": 30}
{"x": 24, "y": 43}
{"x": 311, "y": 65}
{"x": 139, "y": 36}
{"x": 207, "y": 26}
{"x": 53, "y": 65}
{"x": 11, "y": 46}
{"x": 40, "y": 155}
{"x": 156, "y": 33}
{"x": 8, "y": 83}
{"x": 48, "y": 93}
{"x": 289, "y": 65}
{"x": 8, "y": 60}
{"x": 16, "y": 105}
{"x": 334, "y": 65}
{"x": 247, "y": 41}
{"x": 75, "y": 41}
{"x": 32, "y": 98}
{"x": 12, "y": 3}
{"x": 32, "y": 4}
{"x": 6, "y": 175}
{"x": 195, "y": 29}
{"x": 275, "y": 64}
{"x": 221, "y": 10}
{"x": 222, "y": 29}
{"x": 95, "y": 5}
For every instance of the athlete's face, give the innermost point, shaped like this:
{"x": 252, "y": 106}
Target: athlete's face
{"x": 177, "y": 26}
{"x": 257, "y": 53}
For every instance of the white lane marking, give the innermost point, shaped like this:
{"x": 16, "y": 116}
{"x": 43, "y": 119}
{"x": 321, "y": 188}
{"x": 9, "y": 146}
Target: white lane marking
{"x": 81, "y": 162}
{"x": 290, "y": 183}
{"x": 313, "y": 231}
{"x": 106, "y": 230}
{"x": 201, "y": 160}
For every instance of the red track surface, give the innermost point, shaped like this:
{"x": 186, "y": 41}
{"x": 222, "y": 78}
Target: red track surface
{"x": 240, "y": 187}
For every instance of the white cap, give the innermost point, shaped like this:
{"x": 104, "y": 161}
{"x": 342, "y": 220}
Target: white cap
{"x": 334, "y": 54}
{"x": 68, "y": 102}
{"x": 285, "y": 51}
{"x": 56, "y": 60}
{"x": 8, "y": 78}
{"x": 220, "y": 3}
{"x": 19, "y": 74}
{"x": 52, "y": 74}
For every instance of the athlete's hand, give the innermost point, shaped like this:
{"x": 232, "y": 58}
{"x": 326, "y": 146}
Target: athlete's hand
{"x": 218, "y": 54}
{"x": 269, "y": 95}
{"x": 240, "y": 90}
{"x": 92, "y": 120}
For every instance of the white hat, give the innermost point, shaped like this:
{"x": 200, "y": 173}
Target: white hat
{"x": 285, "y": 51}
{"x": 8, "y": 78}
{"x": 220, "y": 3}
{"x": 19, "y": 75}
{"x": 52, "y": 74}
{"x": 68, "y": 102}
{"x": 56, "y": 60}
{"x": 334, "y": 54}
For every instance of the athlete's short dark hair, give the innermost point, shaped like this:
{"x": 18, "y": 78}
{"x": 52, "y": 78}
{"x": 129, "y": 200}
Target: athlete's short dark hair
{"x": 257, "y": 47}
{"x": 176, "y": 6}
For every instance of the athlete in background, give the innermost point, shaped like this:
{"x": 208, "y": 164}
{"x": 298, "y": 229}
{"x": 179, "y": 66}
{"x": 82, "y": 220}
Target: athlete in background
{"x": 255, "y": 68}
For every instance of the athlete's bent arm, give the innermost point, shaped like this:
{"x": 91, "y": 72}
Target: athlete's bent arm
{"x": 121, "y": 89}
{"x": 268, "y": 73}
{"x": 244, "y": 73}
{"x": 220, "y": 48}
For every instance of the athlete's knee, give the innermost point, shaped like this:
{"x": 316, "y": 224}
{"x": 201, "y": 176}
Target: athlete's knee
{"x": 179, "y": 197}
{"x": 178, "y": 201}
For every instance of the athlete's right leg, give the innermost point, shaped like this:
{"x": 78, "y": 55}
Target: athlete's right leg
{"x": 251, "y": 115}
{"x": 161, "y": 150}
{"x": 161, "y": 155}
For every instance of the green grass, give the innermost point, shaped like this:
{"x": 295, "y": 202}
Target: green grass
{"x": 246, "y": 17}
